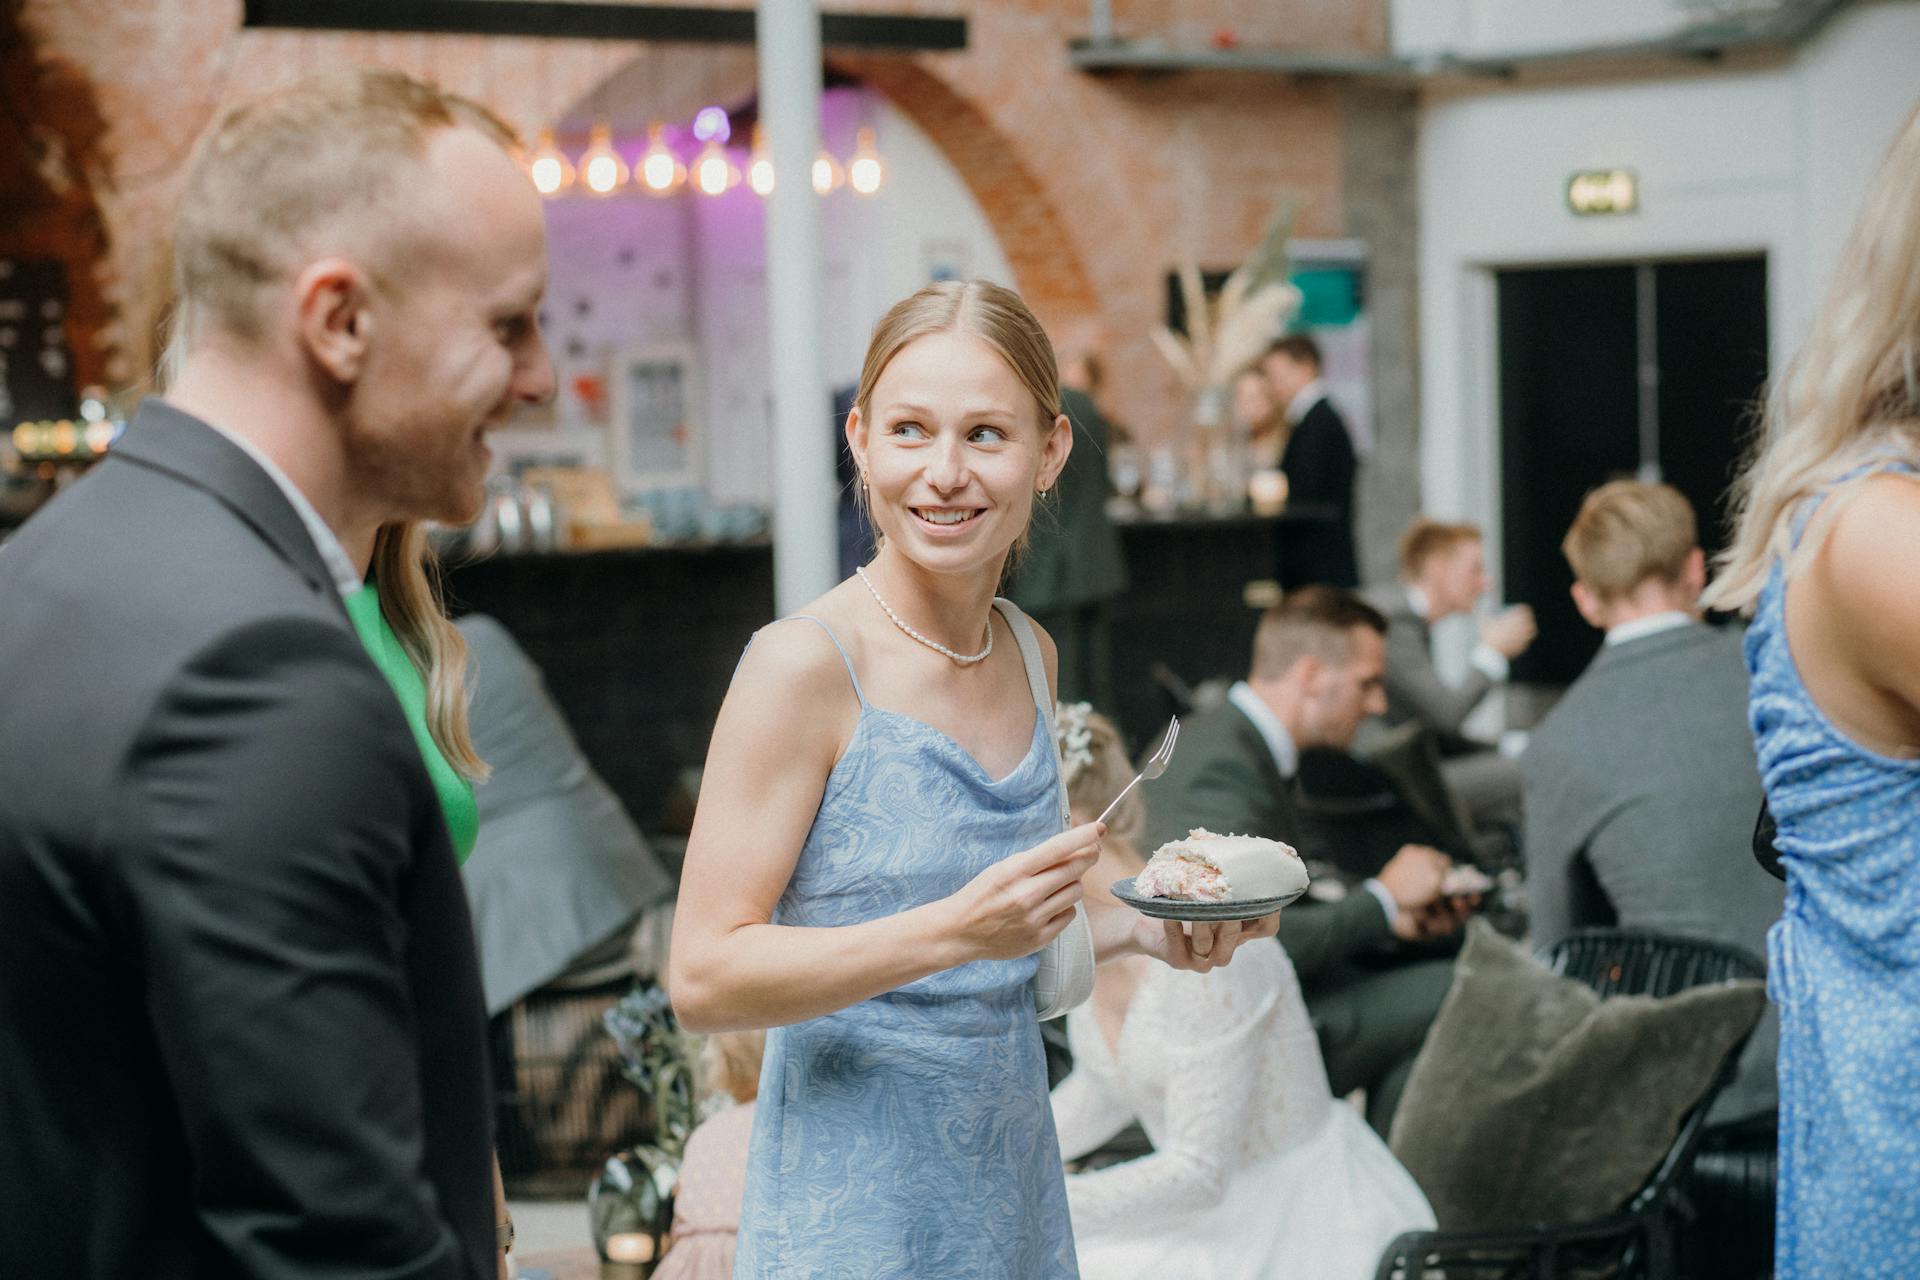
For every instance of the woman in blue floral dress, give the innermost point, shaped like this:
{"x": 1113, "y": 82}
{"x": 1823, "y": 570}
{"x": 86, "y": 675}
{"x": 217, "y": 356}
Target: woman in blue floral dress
{"x": 878, "y": 854}
{"x": 1828, "y": 557}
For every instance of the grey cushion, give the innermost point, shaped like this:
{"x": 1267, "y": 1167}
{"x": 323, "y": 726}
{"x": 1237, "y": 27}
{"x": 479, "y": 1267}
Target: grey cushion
{"x": 1534, "y": 1100}
{"x": 559, "y": 867}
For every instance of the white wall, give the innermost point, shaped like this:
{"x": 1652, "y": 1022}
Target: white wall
{"x": 877, "y": 250}
{"x": 1770, "y": 161}
{"x": 692, "y": 269}
{"x": 1495, "y": 28}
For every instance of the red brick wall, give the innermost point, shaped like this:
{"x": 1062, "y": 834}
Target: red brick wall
{"x": 1096, "y": 186}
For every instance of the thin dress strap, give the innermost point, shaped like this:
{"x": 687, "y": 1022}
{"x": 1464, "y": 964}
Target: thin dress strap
{"x": 851, "y": 674}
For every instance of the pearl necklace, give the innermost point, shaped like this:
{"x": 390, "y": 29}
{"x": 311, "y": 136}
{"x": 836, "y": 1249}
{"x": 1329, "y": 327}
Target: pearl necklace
{"x": 964, "y": 659}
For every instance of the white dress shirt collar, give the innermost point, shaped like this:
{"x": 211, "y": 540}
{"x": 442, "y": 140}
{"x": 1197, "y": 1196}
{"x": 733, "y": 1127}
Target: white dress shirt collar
{"x": 346, "y": 579}
{"x": 1286, "y": 756}
{"x": 1304, "y": 399}
{"x": 1418, "y": 599}
{"x": 1652, "y": 624}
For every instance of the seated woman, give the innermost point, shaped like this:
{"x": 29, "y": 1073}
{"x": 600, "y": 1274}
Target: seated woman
{"x": 1256, "y": 1171}
{"x": 713, "y": 1172}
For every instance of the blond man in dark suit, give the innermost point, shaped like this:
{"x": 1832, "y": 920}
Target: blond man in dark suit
{"x": 245, "y": 1033}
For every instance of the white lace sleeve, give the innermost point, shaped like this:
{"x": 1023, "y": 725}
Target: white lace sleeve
{"x": 1205, "y": 1079}
{"x": 1087, "y": 1107}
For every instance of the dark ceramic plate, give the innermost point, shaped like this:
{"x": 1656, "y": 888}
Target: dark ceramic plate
{"x": 1175, "y": 909}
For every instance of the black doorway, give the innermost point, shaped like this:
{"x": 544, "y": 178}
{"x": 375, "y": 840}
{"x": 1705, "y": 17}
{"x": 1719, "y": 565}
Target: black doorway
{"x": 1647, "y": 369}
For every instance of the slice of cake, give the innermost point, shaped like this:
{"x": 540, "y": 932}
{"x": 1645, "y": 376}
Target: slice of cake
{"x": 1206, "y": 867}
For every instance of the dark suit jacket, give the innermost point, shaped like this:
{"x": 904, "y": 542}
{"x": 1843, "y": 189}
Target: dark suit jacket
{"x": 1320, "y": 465}
{"x": 1223, "y": 778}
{"x": 1641, "y": 788}
{"x": 244, "y": 1033}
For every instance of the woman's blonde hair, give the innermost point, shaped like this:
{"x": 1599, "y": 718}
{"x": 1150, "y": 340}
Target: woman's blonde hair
{"x": 407, "y": 571}
{"x": 987, "y": 311}
{"x": 730, "y": 1064}
{"x": 1851, "y": 394}
{"x": 1094, "y": 765}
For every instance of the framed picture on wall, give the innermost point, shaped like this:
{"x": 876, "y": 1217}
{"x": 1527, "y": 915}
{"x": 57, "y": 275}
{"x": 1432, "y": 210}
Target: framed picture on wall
{"x": 656, "y": 433}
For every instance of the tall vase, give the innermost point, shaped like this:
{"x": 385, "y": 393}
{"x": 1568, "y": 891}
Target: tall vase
{"x": 1217, "y": 458}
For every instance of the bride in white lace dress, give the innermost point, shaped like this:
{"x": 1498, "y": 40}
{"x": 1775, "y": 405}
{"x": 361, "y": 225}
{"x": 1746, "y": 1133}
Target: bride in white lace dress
{"x": 1257, "y": 1171}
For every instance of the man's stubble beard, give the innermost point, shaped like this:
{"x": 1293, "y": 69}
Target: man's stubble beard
{"x": 415, "y": 471}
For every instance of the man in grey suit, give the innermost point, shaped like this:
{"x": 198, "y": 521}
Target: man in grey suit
{"x": 1317, "y": 671}
{"x": 1443, "y": 573}
{"x": 1641, "y": 786}
{"x": 244, "y": 1028}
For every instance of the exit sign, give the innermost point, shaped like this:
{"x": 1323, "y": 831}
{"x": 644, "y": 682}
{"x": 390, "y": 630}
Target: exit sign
{"x": 1600, "y": 191}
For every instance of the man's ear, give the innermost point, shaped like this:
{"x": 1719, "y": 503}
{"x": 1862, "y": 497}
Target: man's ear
{"x": 335, "y": 322}
{"x": 1589, "y": 606}
{"x": 1693, "y": 575}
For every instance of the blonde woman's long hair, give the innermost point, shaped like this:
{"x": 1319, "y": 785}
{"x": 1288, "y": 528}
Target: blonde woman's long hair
{"x": 1851, "y": 395}
{"x": 407, "y": 569}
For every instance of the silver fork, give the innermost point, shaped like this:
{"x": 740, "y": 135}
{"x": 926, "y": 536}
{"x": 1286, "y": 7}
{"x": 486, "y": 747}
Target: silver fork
{"x": 1155, "y": 766}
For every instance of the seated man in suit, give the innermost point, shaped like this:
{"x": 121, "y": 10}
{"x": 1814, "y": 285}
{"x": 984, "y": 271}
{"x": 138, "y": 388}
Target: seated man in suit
{"x": 1443, "y": 573}
{"x": 1320, "y": 461}
{"x": 1641, "y": 783}
{"x": 1318, "y": 658}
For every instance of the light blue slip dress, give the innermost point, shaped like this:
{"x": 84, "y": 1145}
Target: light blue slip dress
{"x": 1844, "y": 968}
{"x": 910, "y": 1135}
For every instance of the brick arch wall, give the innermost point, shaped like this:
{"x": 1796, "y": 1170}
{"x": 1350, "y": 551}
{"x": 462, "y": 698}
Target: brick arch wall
{"x": 1046, "y": 264}
{"x": 1096, "y": 186}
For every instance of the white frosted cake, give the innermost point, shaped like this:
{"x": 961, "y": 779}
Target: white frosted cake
{"x": 1206, "y": 867}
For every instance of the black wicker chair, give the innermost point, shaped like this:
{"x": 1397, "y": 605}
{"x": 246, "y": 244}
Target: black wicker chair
{"x": 1639, "y": 1240}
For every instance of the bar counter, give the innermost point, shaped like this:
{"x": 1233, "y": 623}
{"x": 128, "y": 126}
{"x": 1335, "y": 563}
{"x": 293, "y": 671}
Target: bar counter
{"x": 638, "y": 645}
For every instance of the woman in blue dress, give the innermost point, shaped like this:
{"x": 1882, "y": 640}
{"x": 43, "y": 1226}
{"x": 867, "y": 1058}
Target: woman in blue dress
{"x": 879, "y": 855}
{"x": 1827, "y": 556}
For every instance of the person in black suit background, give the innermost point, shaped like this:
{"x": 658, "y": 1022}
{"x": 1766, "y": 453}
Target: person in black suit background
{"x": 1319, "y": 462}
{"x": 245, "y": 1033}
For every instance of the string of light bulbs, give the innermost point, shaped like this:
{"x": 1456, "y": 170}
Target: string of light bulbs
{"x": 658, "y": 170}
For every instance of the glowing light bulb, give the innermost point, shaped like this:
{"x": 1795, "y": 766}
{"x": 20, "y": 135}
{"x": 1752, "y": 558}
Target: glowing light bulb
{"x": 601, "y": 168}
{"x": 713, "y": 172}
{"x": 827, "y": 173}
{"x": 865, "y": 173}
{"x": 710, "y": 124}
{"x": 661, "y": 172}
{"x": 549, "y": 167}
{"x": 760, "y": 167}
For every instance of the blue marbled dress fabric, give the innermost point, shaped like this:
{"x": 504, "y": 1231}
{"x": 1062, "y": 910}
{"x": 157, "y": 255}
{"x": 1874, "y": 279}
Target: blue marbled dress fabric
{"x": 911, "y": 1135}
{"x": 1844, "y": 969}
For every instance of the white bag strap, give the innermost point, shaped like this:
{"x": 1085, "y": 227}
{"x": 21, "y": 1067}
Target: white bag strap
{"x": 1064, "y": 979}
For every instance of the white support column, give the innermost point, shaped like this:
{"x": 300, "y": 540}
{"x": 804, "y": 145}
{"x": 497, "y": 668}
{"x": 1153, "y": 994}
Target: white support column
{"x": 805, "y": 538}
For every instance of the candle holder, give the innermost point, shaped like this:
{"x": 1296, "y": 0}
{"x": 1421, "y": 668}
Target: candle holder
{"x": 631, "y": 1209}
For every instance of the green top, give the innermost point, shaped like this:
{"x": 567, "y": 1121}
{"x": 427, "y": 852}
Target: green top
{"x": 455, "y": 792}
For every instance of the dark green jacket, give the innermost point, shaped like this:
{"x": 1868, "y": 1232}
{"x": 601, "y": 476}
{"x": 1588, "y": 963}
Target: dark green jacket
{"x": 1223, "y": 778}
{"x": 1074, "y": 557}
